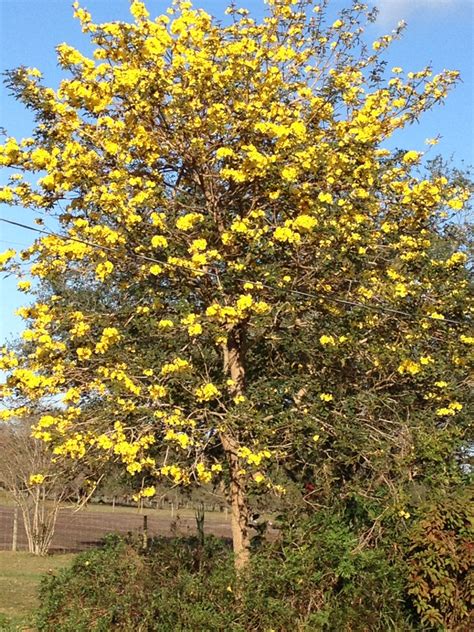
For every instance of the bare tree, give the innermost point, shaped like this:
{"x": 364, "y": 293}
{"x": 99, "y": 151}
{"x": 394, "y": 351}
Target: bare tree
{"x": 38, "y": 481}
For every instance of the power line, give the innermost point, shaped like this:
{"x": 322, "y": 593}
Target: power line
{"x": 333, "y": 299}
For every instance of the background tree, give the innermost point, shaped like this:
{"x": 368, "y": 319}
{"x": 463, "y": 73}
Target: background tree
{"x": 37, "y": 482}
{"x": 266, "y": 291}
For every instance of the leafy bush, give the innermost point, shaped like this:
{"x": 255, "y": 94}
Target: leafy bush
{"x": 441, "y": 559}
{"x": 102, "y": 590}
{"x": 312, "y": 579}
{"x": 315, "y": 578}
{"x": 122, "y": 587}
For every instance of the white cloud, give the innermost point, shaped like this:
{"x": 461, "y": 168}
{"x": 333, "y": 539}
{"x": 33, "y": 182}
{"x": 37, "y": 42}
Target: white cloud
{"x": 392, "y": 11}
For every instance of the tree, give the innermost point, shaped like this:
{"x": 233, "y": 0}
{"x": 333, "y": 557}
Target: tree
{"x": 264, "y": 287}
{"x": 38, "y": 483}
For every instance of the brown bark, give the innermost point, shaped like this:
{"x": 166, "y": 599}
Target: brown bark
{"x": 234, "y": 366}
{"x": 239, "y": 507}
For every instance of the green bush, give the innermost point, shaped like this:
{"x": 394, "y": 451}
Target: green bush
{"x": 441, "y": 558}
{"x": 313, "y": 578}
{"x": 174, "y": 585}
{"x": 102, "y": 590}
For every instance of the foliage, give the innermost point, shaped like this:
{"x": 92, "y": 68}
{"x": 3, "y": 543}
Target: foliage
{"x": 441, "y": 562}
{"x": 118, "y": 587}
{"x": 244, "y": 283}
{"x": 319, "y": 578}
{"x": 315, "y": 578}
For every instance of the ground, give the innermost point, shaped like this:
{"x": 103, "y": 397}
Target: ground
{"x": 20, "y": 574}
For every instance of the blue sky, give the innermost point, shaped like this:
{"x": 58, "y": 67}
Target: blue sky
{"x": 440, "y": 32}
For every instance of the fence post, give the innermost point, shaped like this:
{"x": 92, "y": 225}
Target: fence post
{"x": 15, "y": 529}
{"x": 199, "y": 514}
{"x": 145, "y": 531}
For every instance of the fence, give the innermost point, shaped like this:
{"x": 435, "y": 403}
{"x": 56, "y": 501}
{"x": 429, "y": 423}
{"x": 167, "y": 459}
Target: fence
{"x": 77, "y": 530}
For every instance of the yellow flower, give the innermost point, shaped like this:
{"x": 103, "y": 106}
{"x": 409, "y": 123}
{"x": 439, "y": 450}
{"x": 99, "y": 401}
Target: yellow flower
{"x": 327, "y": 340}
{"x": 24, "y": 286}
{"x": 411, "y": 156}
{"x": 224, "y": 152}
{"x": 306, "y": 222}
{"x": 408, "y": 366}
{"x": 198, "y": 245}
{"x": 326, "y": 397}
{"x": 6, "y": 256}
{"x": 109, "y": 337}
{"x": 186, "y": 222}
{"x": 83, "y": 353}
{"x": 207, "y": 392}
{"x": 177, "y": 366}
{"x": 204, "y": 475}
{"x": 195, "y": 329}
{"x": 244, "y": 302}
{"x": 40, "y": 158}
{"x": 289, "y": 173}
{"x": 104, "y": 270}
{"x": 159, "y": 241}
{"x": 139, "y": 12}
{"x": 426, "y": 360}
{"x": 261, "y": 307}
{"x": 36, "y": 479}
{"x": 283, "y": 233}
{"x": 325, "y": 197}
{"x": 157, "y": 391}
{"x": 400, "y": 289}
{"x": 165, "y": 324}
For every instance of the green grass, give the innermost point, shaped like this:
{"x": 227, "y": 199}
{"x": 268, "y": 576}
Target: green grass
{"x": 20, "y": 574}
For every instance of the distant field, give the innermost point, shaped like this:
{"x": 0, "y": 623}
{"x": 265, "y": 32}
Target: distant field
{"x": 79, "y": 530}
{"x": 20, "y": 574}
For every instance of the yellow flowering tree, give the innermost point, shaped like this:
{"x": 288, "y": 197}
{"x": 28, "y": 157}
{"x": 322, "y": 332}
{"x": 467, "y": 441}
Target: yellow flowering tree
{"x": 237, "y": 254}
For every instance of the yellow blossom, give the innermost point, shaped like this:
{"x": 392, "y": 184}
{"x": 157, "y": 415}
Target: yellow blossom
{"x": 327, "y": 340}
{"x": 36, "y": 479}
{"x": 165, "y": 324}
{"x": 326, "y": 397}
{"x": 207, "y": 392}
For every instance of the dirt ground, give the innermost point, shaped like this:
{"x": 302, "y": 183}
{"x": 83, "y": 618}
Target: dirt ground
{"x": 77, "y": 530}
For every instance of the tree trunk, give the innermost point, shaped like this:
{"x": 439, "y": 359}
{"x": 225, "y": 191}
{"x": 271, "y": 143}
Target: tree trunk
{"x": 39, "y": 522}
{"x": 239, "y": 506}
{"x": 234, "y": 366}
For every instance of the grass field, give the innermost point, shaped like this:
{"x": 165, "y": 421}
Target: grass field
{"x": 20, "y": 574}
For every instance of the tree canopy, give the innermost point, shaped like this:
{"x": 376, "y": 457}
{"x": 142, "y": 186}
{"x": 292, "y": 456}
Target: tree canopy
{"x": 244, "y": 282}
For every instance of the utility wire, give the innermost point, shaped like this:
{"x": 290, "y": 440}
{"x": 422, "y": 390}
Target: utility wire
{"x": 333, "y": 299}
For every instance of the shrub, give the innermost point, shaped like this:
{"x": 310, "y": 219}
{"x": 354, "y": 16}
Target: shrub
{"x": 102, "y": 590}
{"x": 317, "y": 579}
{"x": 174, "y": 585}
{"x": 311, "y": 579}
{"x": 440, "y": 557}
